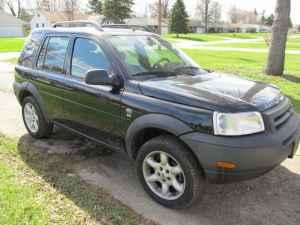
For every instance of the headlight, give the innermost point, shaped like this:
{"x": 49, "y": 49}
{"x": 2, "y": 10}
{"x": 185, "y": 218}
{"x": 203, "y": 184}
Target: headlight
{"x": 237, "y": 124}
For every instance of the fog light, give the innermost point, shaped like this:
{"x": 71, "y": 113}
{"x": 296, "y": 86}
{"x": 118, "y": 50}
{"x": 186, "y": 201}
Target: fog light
{"x": 225, "y": 165}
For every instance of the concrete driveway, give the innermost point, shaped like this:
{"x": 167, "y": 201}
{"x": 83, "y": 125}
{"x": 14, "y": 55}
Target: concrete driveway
{"x": 273, "y": 199}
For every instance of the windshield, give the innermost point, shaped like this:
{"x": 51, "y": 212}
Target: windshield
{"x": 150, "y": 55}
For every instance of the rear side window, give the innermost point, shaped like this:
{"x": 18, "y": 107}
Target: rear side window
{"x": 30, "y": 50}
{"x": 53, "y": 54}
{"x": 88, "y": 55}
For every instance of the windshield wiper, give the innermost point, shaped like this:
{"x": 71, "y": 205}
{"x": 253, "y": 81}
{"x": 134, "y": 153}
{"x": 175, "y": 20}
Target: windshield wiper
{"x": 187, "y": 67}
{"x": 159, "y": 73}
{"x": 191, "y": 68}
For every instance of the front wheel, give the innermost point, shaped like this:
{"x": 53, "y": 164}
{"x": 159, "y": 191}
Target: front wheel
{"x": 169, "y": 172}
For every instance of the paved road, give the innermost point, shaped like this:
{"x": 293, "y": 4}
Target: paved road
{"x": 273, "y": 199}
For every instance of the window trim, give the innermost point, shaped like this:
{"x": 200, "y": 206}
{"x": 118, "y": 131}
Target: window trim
{"x": 72, "y": 53}
{"x": 46, "y": 40}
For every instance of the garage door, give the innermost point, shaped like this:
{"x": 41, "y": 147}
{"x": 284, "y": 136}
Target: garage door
{"x": 11, "y": 31}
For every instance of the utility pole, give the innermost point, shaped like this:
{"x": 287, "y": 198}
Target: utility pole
{"x": 159, "y": 16}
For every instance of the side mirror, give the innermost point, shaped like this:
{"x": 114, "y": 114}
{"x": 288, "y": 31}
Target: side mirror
{"x": 101, "y": 77}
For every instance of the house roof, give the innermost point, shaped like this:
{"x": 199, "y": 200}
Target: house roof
{"x": 9, "y": 20}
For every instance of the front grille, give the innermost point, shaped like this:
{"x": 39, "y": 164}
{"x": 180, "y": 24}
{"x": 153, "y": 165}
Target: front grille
{"x": 279, "y": 115}
{"x": 280, "y": 120}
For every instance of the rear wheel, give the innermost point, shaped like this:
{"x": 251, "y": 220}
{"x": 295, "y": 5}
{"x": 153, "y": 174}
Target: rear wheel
{"x": 34, "y": 120}
{"x": 169, "y": 172}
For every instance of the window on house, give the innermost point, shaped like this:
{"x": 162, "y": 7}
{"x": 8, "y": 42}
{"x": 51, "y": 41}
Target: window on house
{"x": 37, "y": 25}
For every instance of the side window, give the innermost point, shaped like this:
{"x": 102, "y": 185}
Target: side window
{"x": 87, "y": 55}
{"x": 55, "y": 54}
{"x": 30, "y": 49}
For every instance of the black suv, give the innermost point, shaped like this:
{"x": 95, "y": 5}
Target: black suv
{"x": 133, "y": 91}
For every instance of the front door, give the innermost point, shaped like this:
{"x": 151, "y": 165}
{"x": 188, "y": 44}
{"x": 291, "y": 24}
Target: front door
{"x": 92, "y": 110}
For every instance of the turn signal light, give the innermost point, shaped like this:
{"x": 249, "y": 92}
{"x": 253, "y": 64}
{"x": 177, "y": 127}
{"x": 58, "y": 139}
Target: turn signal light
{"x": 225, "y": 165}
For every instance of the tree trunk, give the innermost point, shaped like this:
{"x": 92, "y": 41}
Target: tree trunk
{"x": 276, "y": 58}
{"x": 159, "y": 16}
{"x": 206, "y": 15}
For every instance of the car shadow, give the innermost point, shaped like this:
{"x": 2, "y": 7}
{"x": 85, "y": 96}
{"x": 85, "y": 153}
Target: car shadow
{"x": 271, "y": 199}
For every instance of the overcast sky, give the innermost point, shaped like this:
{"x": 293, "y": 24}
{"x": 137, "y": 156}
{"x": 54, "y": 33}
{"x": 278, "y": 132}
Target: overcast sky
{"x": 260, "y": 5}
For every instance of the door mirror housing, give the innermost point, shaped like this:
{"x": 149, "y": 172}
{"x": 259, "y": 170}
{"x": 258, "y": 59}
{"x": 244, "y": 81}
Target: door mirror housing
{"x": 101, "y": 77}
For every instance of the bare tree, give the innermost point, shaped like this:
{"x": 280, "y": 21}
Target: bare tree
{"x": 237, "y": 15}
{"x": 215, "y": 12}
{"x": 165, "y": 8}
{"x": 276, "y": 58}
{"x": 71, "y": 6}
{"x": 11, "y": 4}
{"x": 234, "y": 15}
{"x": 210, "y": 12}
{"x": 203, "y": 10}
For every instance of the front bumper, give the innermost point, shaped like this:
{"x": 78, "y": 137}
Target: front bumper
{"x": 253, "y": 155}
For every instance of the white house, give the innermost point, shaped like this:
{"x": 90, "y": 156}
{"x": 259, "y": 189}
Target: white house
{"x": 10, "y": 26}
{"x": 46, "y": 19}
{"x": 39, "y": 20}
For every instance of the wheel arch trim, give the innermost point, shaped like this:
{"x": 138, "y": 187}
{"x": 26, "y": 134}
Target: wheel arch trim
{"x": 30, "y": 88}
{"x": 156, "y": 121}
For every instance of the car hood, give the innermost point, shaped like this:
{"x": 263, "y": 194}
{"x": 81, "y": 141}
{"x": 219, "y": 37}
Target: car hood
{"x": 221, "y": 92}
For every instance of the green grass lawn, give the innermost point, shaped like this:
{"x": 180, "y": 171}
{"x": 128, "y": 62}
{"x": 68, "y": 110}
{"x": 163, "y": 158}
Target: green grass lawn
{"x": 242, "y": 35}
{"x": 36, "y": 189}
{"x": 213, "y": 36}
{"x": 194, "y": 37}
{"x": 11, "y": 44}
{"x": 293, "y": 44}
{"x": 251, "y": 65}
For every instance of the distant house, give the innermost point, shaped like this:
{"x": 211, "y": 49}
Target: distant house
{"x": 250, "y": 28}
{"x": 196, "y": 26}
{"x": 10, "y": 26}
{"x": 46, "y": 19}
{"x": 150, "y": 22}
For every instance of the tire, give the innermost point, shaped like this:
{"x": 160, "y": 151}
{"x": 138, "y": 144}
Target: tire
{"x": 191, "y": 181}
{"x": 42, "y": 127}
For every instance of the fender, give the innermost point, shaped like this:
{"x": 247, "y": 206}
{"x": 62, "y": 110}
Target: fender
{"x": 159, "y": 121}
{"x": 27, "y": 87}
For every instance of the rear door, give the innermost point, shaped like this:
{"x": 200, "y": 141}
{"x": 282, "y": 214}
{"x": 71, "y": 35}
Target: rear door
{"x": 51, "y": 74}
{"x": 92, "y": 110}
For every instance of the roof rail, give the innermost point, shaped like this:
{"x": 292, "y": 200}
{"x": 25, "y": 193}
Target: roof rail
{"x": 78, "y": 23}
{"x": 128, "y": 26}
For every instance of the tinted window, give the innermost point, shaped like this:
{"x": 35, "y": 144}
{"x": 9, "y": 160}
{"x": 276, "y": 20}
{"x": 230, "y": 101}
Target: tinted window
{"x": 87, "y": 55}
{"x": 30, "y": 49}
{"x": 56, "y": 54}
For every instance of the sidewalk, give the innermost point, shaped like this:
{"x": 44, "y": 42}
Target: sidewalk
{"x": 8, "y": 55}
